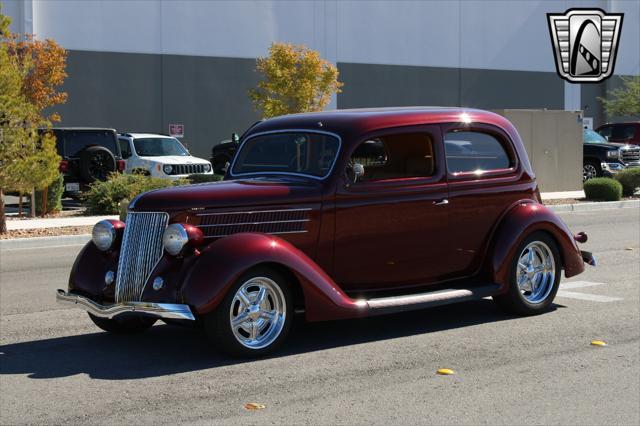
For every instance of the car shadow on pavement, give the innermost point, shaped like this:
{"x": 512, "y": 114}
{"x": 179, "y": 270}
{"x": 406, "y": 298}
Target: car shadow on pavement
{"x": 166, "y": 349}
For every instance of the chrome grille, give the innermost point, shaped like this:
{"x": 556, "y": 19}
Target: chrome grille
{"x": 289, "y": 221}
{"x": 630, "y": 155}
{"x": 187, "y": 169}
{"x": 140, "y": 251}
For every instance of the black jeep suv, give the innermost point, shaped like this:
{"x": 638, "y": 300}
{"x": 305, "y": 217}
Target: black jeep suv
{"x": 88, "y": 155}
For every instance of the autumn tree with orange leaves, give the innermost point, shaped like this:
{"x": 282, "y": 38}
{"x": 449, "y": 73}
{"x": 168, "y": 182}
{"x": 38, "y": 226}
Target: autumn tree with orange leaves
{"x": 42, "y": 64}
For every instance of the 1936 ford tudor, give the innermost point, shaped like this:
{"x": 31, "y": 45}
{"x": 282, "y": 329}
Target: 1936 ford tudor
{"x": 338, "y": 214}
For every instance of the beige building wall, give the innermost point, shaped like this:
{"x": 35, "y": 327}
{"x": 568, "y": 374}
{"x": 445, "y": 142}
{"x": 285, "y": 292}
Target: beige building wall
{"x": 553, "y": 140}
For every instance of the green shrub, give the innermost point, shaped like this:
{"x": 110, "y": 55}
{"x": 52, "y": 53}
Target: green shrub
{"x": 54, "y": 197}
{"x": 104, "y": 197}
{"x": 603, "y": 189}
{"x": 200, "y": 178}
{"x": 630, "y": 180}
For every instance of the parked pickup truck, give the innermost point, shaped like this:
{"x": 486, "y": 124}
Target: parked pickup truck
{"x": 603, "y": 158}
{"x": 342, "y": 214}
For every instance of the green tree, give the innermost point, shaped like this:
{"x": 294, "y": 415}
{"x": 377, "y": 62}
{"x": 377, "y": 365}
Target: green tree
{"x": 294, "y": 79}
{"x": 624, "y": 100}
{"x": 27, "y": 161}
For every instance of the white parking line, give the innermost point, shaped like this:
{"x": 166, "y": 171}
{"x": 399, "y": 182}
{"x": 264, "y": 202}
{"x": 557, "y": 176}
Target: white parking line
{"x": 584, "y": 296}
{"x": 579, "y": 284}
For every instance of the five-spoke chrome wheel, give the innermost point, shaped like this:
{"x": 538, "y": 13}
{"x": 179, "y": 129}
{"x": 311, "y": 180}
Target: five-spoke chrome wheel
{"x": 257, "y": 313}
{"x": 536, "y": 272}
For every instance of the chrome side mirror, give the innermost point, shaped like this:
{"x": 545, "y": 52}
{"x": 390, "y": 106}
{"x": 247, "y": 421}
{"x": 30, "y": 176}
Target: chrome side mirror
{"x": 358, "y": 171}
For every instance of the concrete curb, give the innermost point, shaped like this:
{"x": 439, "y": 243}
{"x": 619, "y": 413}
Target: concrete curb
{"x": 602, "y": 205}
{"x": 60, "y": 240}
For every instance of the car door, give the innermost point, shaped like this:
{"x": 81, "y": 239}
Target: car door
{"x": 392, "y": 223}
{"x": 485, "y": 178}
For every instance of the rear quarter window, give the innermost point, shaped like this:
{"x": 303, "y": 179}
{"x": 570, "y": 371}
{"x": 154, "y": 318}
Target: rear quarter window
{"x": 472, "y": 151}
{"x": 76, "y": 141}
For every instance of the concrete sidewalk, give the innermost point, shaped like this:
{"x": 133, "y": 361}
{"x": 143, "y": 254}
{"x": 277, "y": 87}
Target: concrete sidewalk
{"x": 39, "y": 223}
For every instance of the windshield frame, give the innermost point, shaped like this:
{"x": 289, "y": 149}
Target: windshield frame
{"x": 270, "y": 132}
{"x": 187, "y": 153}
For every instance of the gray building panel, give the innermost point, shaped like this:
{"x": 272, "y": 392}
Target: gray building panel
{"x": 371, "y": 85}
{"x": 145, "y": 93}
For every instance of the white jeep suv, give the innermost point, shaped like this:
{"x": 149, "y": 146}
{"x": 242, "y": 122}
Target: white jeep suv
{"x": 160, "y": 156}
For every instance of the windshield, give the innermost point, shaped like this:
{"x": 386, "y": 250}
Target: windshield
{"x": 592, "y": 137}
{"x": 301, "y": 153}
{"x": 156, "y": 147}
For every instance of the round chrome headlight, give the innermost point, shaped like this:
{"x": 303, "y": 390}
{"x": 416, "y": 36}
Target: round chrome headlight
{"x": 167, "y": 168}
{"x": 103, "y": 235}
{"x": 207, "y": 167}
{"x": 175, "y": 238}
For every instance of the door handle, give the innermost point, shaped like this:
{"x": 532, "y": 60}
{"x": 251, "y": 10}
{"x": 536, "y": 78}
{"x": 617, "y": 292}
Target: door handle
{"x": 442, "y": 202}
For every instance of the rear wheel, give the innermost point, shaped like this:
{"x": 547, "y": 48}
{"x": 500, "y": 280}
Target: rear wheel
{"x": 123, "y": 325}
{"x": 255, "y": 316}
{"x": 535, "y": 276}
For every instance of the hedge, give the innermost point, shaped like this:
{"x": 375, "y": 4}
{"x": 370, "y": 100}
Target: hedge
{"x": 630, "y": 181}
{"x": 603, "y": 189}
{"x": 103, "y": 197}
{"x": 107, "y": 197}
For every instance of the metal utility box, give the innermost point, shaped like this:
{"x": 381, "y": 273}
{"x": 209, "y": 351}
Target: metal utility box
{"x": 553, "y": 140}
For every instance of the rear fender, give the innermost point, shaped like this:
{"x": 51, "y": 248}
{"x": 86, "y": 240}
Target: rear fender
{"x": 520, "y": 221}
{"x": 222, "y": 262}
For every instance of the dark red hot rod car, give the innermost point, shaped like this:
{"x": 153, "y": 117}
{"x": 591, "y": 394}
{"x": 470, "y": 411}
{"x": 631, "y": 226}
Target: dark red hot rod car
{"x": 339, "y": 214}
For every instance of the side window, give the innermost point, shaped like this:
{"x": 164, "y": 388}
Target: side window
{"x": 125, "y": 148}
{"x": 623, "y": 132}
{"x": 398, "y": 156}
{"x": 605, "y": 131}
{"x": 470, "y": 151}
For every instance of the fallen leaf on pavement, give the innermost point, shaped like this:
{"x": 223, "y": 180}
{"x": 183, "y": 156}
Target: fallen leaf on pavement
{"x": 254, "y": 406}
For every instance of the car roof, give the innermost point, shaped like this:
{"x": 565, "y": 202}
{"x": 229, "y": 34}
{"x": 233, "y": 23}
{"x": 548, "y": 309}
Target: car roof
{"x": 145, "y": 135}
{"x": 99, "y": 129}
{"x": 363, "y": 120}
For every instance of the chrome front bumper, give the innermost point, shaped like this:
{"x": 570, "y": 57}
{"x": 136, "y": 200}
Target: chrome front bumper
{"x": 157, "y": 310}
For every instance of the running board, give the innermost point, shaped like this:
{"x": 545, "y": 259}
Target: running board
{"x": 385, "y": 305}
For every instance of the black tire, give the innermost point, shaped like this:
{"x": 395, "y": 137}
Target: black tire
{"x": 125, "y": 325}
{"x": 587, "y": 168}
{"x": 515, "y": 301}
{"x": 219, "y": 164}
{"x": 96, "y": 163}
{"x": 218, "y": 327}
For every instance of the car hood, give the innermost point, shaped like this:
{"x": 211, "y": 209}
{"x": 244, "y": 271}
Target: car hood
{"x": 175, "y": 159}
{"x": 230, "y": 193}
{"x": 608, "y": 145}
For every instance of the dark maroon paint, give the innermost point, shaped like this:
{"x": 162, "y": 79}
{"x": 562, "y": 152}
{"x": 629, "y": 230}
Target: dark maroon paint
{"x": 360, "y": 239}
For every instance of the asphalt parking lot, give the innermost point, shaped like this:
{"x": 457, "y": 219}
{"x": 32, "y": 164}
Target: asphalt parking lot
{"x": 57, "y": 367}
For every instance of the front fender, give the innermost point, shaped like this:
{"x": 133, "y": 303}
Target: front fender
{"x": 520, "y": 221}
{"x": 222, "y": 262}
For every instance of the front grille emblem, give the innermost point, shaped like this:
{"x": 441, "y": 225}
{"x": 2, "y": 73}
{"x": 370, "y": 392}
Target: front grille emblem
{"x": 585, "y": 43}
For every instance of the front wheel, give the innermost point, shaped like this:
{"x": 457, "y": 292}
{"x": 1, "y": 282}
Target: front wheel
{"x": 255, "y": 316}
{"x": 590, "y": 170}
{"x": 124, "y": 325}
{"x": 534, "y": 277}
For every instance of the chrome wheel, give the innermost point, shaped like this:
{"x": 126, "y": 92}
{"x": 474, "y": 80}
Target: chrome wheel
{"x": 536, "y": 272}
{"x": 589, "y": 171}
{"x": 258, "y": 312}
